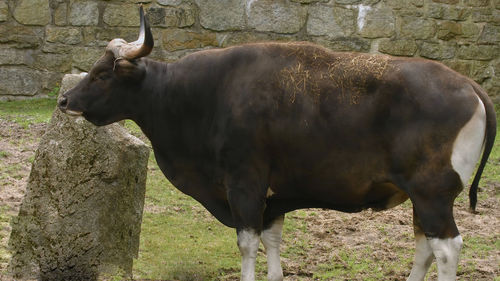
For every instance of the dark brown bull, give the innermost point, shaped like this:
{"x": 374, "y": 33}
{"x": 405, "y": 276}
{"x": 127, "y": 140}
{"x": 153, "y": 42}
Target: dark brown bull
{"x": 258, "y": 130}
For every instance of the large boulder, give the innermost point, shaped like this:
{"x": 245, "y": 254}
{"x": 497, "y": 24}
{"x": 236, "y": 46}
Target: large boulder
{"x": 82, "y": 212}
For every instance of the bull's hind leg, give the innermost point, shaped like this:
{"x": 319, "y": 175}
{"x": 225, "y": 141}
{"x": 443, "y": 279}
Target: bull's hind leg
{"x": 432, "y": 199}
{"x": 271, "y": 238}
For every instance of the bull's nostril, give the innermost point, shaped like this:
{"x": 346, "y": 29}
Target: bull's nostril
{"x": 63, "y": 102}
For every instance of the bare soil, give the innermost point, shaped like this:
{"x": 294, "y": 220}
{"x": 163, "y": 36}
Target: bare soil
{"x": 329, "y": 234}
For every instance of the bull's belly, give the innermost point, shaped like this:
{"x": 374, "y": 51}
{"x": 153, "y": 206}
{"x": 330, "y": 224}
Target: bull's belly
{"x": 341, "y": 196}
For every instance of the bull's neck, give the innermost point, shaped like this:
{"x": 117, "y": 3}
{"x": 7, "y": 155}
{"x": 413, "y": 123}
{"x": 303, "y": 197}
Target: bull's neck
{"x": 175, "y": 97}
{"x": 151, "y": 97}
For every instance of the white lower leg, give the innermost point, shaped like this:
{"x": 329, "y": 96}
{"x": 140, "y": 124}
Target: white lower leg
{"x": 446, "y": 252}
{"x": 271, "y": 238}
{"x": 423, "y": 259}
{"x": 248, "y": 243}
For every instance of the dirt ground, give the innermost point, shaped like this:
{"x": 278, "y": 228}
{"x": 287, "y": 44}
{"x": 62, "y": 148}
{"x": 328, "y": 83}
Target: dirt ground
{"x": 386, "y": 232}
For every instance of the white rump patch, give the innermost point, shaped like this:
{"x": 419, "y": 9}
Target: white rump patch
{"x": 469, "y": 144}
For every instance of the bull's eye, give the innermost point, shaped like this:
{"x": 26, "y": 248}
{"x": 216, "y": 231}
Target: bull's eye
{"x": 103, "y": 76}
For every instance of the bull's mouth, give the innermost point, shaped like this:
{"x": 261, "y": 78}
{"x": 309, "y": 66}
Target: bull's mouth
{"x": 71, "y": 112}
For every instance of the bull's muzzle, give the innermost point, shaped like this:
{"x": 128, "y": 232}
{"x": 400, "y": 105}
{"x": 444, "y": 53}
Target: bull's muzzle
{"x": 63, "y": 106}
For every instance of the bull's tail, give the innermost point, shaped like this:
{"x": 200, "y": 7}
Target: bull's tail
{"x": 491, "y": 126}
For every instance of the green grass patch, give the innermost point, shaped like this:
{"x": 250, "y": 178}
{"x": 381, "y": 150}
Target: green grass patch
{"x": 359, "y": 263}
{"x": 27, "y": 112}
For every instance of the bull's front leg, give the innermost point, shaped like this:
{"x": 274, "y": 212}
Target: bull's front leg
{"x": 247, "y": 202}
{"x": 248, "y": 243}
{"x": 271, "y": 238}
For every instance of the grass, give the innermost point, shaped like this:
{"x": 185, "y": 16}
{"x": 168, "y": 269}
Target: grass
{"x": 182, "y": 241}
{"x": 27, "y": 112}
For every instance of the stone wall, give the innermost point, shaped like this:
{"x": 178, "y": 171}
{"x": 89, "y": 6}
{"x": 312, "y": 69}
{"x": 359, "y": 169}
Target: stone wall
{"x": 40, "y": 40}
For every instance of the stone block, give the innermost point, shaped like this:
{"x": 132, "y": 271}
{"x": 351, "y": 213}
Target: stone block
{"x": 418, "y": 28}
{"x": 11, "y": 56}
{"x": 83, "y": 12}
{"x": 448, "y": 12}
{"x": 223, "y": 14}
{"x": 410, "y": 12}
{"x": 56, "y": 48}
{"x": 83, "y": 209}
{"x": 347, "y": 2}
{"x": 276, "y": 16}
{"x": 331, "y": 21}
{"x": 98, "y": 36}
{"x": 492, "y": 87}
{"x": 477, "y": 3}
{"x": 61, "y": 14}
{"x": 169, "y": 2}
{"x": 449, "y": 29}
{"x": 32, "y": 12}
{"x": 486, "y": 15}
{"x": 418, "y": 3}
{"x": 121, "y": 15}
{"x": 20, "y": 81}
{"x": 236, "y": 38}
{"x": 52, "y": 62}
{"x": 470, "y": 30}
{"x": 496, "y": 65}
{"x": 436, "y": 50}
{"x": 446, "y": 1}
{"x": 375, "y": 22}
{"x": 461, "y": 66}
{"x": 65, "y": 35}
{"x": 84, "y": 57}
{"x": 4, "y": 11}
{"x": 21, "y": 36}
{"x": 309, "y": 1}
{"x": 350, "y": 2}
{"x": 398, "y": 47}
{"x": 478, "y": 52}
{"x": 344, "y": 44}
{"x": 403, "y": 4}
{"x": 481, "y": 71}
{"x": 181, "y": 16}
{"x": 490, "y": 34}
{"x": 156, "y": 16}
{"x": 180, "y": 39}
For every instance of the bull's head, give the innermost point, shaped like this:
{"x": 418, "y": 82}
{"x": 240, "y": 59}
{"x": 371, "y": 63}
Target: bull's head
{"x": 104, "y": 95}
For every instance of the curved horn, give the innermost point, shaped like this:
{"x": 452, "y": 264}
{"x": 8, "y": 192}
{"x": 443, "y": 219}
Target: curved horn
{"x": 137, "y": 49}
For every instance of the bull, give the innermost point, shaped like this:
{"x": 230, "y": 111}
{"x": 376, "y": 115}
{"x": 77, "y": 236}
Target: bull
{"x": 257, "y": 130}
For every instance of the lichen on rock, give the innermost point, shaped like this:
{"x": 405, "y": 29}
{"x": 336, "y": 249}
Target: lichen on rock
{"x": 83, "y": 207}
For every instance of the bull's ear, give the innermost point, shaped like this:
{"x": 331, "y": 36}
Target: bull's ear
{"x": 133, "y": 70}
